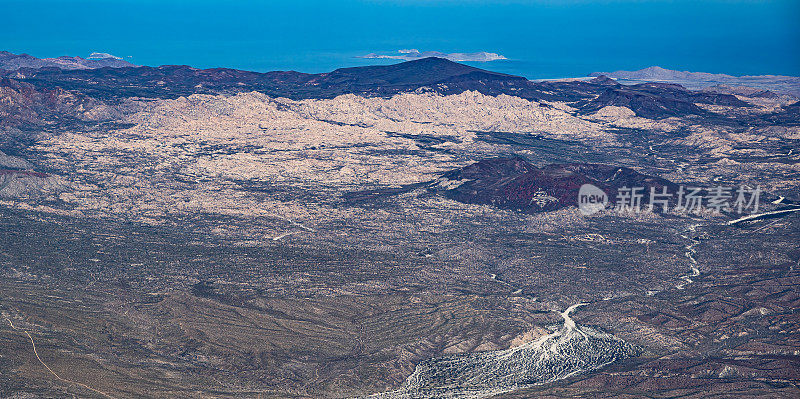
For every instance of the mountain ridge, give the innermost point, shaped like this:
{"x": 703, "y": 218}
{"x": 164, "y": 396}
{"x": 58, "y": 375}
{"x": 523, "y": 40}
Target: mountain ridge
{"x": 651, "y": 100}
{"x": 657, "y": 72}
{"x": 12, "y": 62}
{"x": 699, "y": 80}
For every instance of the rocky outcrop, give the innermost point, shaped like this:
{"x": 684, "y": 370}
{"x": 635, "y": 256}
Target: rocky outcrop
{"x": 569, "y": 351}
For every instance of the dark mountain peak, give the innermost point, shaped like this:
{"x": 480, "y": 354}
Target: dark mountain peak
{"x": 422, "y": 63}
{"x": 416, "y": 65}
{"x": 423, "y": 71}
{"x": 434, "y": 61}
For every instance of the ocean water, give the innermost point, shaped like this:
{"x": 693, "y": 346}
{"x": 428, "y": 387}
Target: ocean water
{"x": 542, "y": 39}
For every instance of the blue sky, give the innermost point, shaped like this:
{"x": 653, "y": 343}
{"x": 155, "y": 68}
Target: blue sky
{"x": 542, "y": 39}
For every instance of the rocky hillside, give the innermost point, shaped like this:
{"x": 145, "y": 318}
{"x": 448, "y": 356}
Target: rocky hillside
{"x": 27, "y": 108}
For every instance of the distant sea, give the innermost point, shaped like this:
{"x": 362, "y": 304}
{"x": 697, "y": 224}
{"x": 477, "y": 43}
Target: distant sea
{"x": 542, "y": 39}
{"x": 558, "y": 63}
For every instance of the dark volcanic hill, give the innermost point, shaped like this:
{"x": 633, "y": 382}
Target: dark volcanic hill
{"x": 515, "y": 184}
{"x": 385, "y": 80}
{"x": 426, "y": 71}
